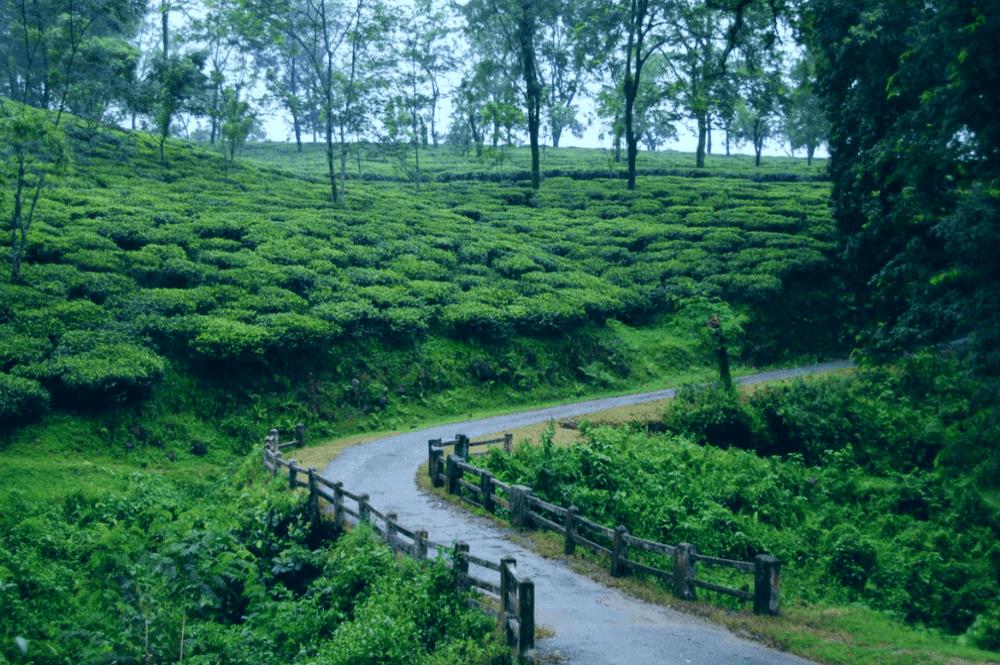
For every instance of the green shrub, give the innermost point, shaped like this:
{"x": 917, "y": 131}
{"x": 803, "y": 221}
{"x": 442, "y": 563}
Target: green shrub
{"x": 20, "y": 348}
{"x": 853, "y": 558}
{"x": 108, "y": 365}
{"x": 985, "y": 630}
{"x": 221, "y": 338}
{"x": 716, "y": 416}
{"x": 832, "y": 482}
{"x": 21, "y": 399}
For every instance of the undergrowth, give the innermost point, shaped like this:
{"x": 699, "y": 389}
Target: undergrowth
{"x": 876, "y": 489}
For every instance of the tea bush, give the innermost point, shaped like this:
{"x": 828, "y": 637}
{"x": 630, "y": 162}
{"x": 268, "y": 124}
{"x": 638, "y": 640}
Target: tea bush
{"x": 21, "y": 399}
{"x": 255, "y": 269}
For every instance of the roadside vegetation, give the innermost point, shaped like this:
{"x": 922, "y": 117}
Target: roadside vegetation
{"x": 877, "y": 489}
{"x": 208, "y": 564}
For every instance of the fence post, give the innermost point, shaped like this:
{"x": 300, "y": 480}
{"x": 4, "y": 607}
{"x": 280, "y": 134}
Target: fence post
{"x": 462, "y": 447}
{"x": 684, "y": 571}
{"x": 454, "y": 473}
{"x": 390, "y": 530}
{"x": 276, "y": 458}
{"x": 461, "y": 565}
{"x": 767, "y": 584}
{"x": 293, "y": 470}
{"x": 313, "y": 497}
{"x": 508, "y": 442}
{"x": 486, "y": 488}
{"x": 525, "y": 617}
{"x": 431, "y": 458}
{"x": 274, "y": 439}
{"x": 437, "y": 466}
{"x": 518, "y": 496}
{"x": 569, "y": 544}
{"x": 420, "y": 545}
{"x": 619, "y": 550}
{"x": 363, "y": 514}
{"x": 506, "y": 588}
{"x": 338, "y": 503}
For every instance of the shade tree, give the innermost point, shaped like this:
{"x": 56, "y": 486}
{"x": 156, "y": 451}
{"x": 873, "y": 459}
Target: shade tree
{"x": 804, "y": 122}
{"x": 32, "y": 149}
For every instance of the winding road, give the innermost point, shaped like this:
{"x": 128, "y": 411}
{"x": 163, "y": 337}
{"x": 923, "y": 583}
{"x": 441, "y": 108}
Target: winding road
{"x": 592, "y": 624}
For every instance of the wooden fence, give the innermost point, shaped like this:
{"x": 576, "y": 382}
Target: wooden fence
{"x": 513, "y": 596}
{"x": 525, "y": 510}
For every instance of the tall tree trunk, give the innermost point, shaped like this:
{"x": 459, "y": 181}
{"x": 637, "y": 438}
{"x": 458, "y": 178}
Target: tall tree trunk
{"x": 164, "y": 131}
{"x": 357, "y": 152}
{"x": 699, "y": 157}
{"x": 294, "y": 104}
{"x": 16, "y": 251}
{"x": 330, "y": 168}
{"x": 634, "y": 61}
{"x": 297, "y": 125}
{"x": 631, "y": 140}
{"x": 556, "y": 134}
{"x": 20, "y": 222}
{"x": 617, "y": 140}
{"x": 810, "y": 151}
{"x": 631, "y": 89}
{"x": 435, "y": 95}
{"x": 214, "y": 131}
{"x": 415, "y": 126}
{"x": 165, "y": 28}
{"x": 342, "y": 131}
{"x": 758, "y": 140}
{"x": 532, "y": 87}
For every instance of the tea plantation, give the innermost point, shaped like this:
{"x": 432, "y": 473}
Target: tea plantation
{"x": 142, "y": 276}
{"x": 168, "y": 314}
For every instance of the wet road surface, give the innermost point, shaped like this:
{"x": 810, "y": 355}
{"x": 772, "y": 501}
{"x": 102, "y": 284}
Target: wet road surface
{"x": 593, "y": 624}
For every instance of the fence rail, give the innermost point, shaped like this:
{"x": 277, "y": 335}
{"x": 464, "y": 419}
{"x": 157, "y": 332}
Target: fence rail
{"x": 525, "y": 510}
{"x": 515, "y": 593}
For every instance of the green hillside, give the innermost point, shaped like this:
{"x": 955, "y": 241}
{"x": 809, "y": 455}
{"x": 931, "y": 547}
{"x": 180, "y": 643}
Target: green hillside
{"x": 146, "y": 284}
{"x": 169, "y": 314}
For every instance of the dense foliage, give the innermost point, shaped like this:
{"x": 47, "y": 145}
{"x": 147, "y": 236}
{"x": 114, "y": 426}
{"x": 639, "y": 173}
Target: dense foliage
{"x": 156, "y": 571}
{"x": 860, "y": 484}
{"x": 914, "y": 157}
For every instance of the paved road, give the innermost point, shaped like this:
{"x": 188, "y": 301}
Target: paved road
{"x": 583, "y": 614}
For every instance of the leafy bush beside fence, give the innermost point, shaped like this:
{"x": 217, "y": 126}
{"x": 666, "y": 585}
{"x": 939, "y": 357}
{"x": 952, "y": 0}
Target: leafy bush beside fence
{"x": 158, "y": 570}
{"x": 895, "y": 512}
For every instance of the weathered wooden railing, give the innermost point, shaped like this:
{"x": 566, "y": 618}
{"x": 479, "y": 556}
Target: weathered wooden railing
{"x": 515, "y": 595}
{"x": 525, "y": 510}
